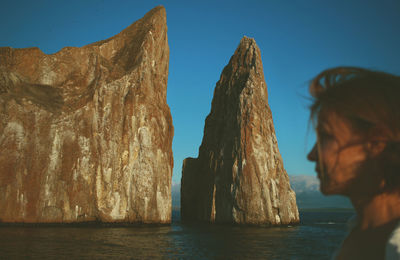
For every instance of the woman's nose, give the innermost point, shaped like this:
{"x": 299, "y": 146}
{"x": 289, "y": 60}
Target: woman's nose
{"x": 313, "y": 154}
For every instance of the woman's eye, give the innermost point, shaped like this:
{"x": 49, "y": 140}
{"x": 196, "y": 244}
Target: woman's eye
{"x": 324, "y": 136}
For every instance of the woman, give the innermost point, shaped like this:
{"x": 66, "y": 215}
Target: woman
{"x": 357, "y": 117}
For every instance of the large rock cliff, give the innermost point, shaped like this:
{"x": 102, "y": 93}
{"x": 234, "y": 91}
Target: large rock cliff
{"x": 239, "y": 175}
{"x": 85, "y": 133}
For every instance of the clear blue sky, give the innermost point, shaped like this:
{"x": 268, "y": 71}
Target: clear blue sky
{"x": 297, "y": 38}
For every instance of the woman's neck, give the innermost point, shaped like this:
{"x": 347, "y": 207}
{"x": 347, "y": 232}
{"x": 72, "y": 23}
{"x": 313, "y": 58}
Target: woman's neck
{"x": 377, "y": 211}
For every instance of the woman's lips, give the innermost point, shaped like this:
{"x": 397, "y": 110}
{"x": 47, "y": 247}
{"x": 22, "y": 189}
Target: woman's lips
{"x": 318, "y": 171}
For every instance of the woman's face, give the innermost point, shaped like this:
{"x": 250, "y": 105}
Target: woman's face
{"x": 338, "y": 153}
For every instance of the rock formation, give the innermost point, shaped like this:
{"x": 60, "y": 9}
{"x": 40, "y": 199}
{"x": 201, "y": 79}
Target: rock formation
{"x": 85, "y": 133}
{"x": 239, "y": 175}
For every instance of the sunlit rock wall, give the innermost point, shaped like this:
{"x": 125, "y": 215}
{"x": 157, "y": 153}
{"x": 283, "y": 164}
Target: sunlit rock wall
{"x": 86, "y": 133}
{"x": 239, "y": 175}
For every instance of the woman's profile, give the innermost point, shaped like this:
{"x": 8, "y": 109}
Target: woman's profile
{"x": 356, "y": 113}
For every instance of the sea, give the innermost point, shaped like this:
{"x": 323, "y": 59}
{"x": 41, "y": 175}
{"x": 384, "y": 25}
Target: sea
{"x": 317, "y": 237}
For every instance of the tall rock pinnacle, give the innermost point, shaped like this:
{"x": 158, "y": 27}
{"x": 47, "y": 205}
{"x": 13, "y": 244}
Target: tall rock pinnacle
{"x": 239, "y": 175}
{"x": 86, "y": 133}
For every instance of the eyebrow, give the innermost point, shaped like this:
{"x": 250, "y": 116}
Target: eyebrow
{"x": 324, "y": 127}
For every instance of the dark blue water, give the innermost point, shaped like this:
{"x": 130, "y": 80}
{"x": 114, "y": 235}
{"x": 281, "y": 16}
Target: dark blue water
{"x": 317, "y": 237}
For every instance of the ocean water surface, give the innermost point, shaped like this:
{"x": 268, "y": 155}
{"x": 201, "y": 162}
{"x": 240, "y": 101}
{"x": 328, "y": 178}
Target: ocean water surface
{"x": 317, "y": 237}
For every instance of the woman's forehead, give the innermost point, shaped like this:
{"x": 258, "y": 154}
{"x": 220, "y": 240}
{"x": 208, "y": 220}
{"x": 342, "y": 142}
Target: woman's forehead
{"x": 327, "y": 117}
{"x": 329, "y": 120}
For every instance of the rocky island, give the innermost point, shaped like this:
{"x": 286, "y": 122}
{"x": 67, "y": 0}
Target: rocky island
{"x": 239, "y": 176}
{"x": 86, "y": 133}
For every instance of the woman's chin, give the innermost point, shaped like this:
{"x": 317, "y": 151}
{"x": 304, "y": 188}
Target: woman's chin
{"x": 328, "y": 187}
{"x": 328, "y": 190}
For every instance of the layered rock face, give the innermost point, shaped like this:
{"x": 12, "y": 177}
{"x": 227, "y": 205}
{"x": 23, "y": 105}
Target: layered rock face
{"x": 86, "y": 133}
{"x": 239, "y": 175}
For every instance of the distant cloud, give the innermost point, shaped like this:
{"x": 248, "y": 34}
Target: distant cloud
{"x": 309, "y": 196}
{"x": 304, "y": 183}
{"x": 176, "y": 194}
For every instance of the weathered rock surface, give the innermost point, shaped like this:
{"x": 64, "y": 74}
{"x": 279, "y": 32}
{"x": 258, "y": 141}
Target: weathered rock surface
{"x": 239, "y": 175}
{"x": 85, "y": 133}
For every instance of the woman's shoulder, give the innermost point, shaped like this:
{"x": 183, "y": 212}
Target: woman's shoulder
{"x": 393, "y": 245}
